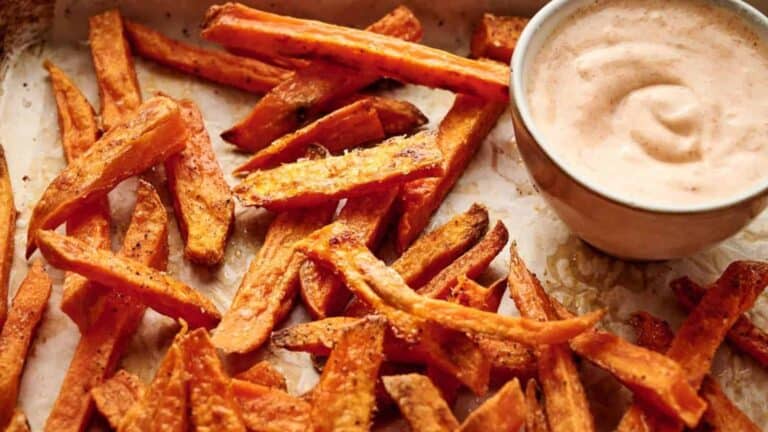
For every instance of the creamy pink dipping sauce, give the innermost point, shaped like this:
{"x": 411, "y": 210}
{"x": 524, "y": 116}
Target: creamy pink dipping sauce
{"x": 660, "y": 102}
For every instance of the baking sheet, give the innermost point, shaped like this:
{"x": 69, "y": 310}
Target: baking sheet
{"x": 578, "y": 275}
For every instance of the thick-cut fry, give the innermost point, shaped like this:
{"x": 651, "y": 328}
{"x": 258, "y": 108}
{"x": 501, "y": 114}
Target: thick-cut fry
{"x": 323, "y": 293}
{"x": 238, "y": 26}
{"x": 336, "y": 247}
{"x": 722, "y": 415}
{"x": 311, "y": 182}
{"x": 470, "y": 293}
{"x": 346, "y": 127}
{"x": 270, "y": 283}
{"x": 202, "y": 201}
{"x": 504, "y": 411}
{"x": 155, "y": 289}
{"x": 164, "y": 407}
{"x": 496, "y": 36}
{"x": 25, "y": 314}
{"x": 118, "y": 87}
{"x": 18, "y": 423}
{"x": 697, "y": 339}
{"x": 745, "y": 336}
{"x": 156, "y": 131}
{"x": 535, "y": 419}
{"x": 344, "y": 398}
{"x": 78, "y": 129}
{"x": 565, "y": 400}
{"x": 652, "y": 333}
{"x": 217, "y": 66}
{"x": 263, "y": 373}
{"x": 421, "y": 403}
{"x": 113, "y": 319}
{"x": 267, "y": 409}
{"x": 471, "y": 264}
{"x": 459, "y": 136}
{"x": 116, "y": 395}
{"x": 310, "y": 91}
{"x": 212, "y": 402}
{"x": 7, "y": 231}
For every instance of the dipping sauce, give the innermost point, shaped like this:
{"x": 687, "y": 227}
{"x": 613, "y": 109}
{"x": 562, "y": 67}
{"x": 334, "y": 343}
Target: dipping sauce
{"x": 660, "y": 102}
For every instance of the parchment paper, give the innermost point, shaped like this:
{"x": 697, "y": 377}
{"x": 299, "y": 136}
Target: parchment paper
{"x": 581, "y": 277}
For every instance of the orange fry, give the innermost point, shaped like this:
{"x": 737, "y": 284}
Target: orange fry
{"x": 202, "y": 201}
{"x": 238, "y": 26}
{"x": 504, "y": 411}
{"x": 115, "y": 396}
{"x": 459, "y": 136}
{"x": 263, "y": 373}
{"x": 267, "y": 409}
{"x": 217, "y": 66}
{"x": 535, "y": 419}
{"x": 77, "y": 125}
{"x": 25, "y": 313}
{"x": 471, "y": 264}
{"x": 420, "y": 403}
{"x": 470, "y": 293}
{"x": 311, "y": 182}
{"x": 155, "y": 289}
{"x": 338, "y": 248}
{"x": 745, "y": 336}
{"x": 7, "y": 231}
{"x": 346, "y": 127}
{"x": 323, "y": 293}
{"x": 113, "y": 319}
{"x": 344, "y": 398}
{"x": 154, "y": 133}
{"x": 508, "y": 359}
{"x": 270, "y": 283}
{"x": 315, "y": 337}
{"x": 311, "y": 90}
{"x": 164, "y": 407}
{"x": 697, "y": 339}
{"x": 118, "y": 87}
{"x": 496, "y": 36}
{"x": 212, "y": 401}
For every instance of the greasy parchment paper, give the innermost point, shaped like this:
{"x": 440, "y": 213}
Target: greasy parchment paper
{"x": 583, "y": 278}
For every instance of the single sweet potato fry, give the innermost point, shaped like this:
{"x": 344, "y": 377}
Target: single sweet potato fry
{"x": 311, "y": 90}
{"x": 397, "y": 117}
{"x": 203, "y": 203}
{"x": 315, "y": 337}
{"x": 496, "y": 36}
{"x": 115, "y": 396}
{"x": 7, "y": 231}
{"x": 270, "y": 283}
{"x": 18, "y": 422}
{"x": 471, "y": 264}
{"x": 156, "y": 131}
{"x": 565, "y": 400}
{"x": 459, "y": 135}
{"x": 118, "y": 87}
{"x": 508, "y": 359}
{"x": 25, "y": 313}
{"x": 153, "y": 288}
{"x": 212, "y": 401}
{"x": 113, "y": 319}
{"x": 217, "y": 66}
{"x": 165, "y": 405}
{"x": 323, "y": 293}
{"x": 346, "y": 127}
{"x": 745, "y": 336}
{"x": 697, "y": 339}
{"x": 420, "y": 403}
{"x": 336, "y": 247}
{"x": 344, "y": 398}
{"x": 470, "y": 293}
{"x": 266, "y": 409}
{"x": 535, "y": 419}
{"x": 79, "y": 131}
{"x": 263, "y": 373}
{"x": 652, "y": 333}
{"x": 504, "y": 411}
{"x": 238, "y": 26}
{"x": 312, "y": 182}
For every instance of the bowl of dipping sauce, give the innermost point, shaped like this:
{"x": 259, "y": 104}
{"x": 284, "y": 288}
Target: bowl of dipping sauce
{"x": 644, "y": 123}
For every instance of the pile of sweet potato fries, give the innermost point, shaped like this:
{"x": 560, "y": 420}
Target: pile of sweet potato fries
{"x": 404, "y": 336}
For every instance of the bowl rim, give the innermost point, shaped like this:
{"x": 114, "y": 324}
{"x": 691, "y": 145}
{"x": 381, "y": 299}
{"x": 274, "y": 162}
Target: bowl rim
{"x": 519, "y": 106}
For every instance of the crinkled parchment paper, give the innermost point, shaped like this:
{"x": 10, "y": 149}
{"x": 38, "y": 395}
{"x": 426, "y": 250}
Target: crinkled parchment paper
{"x": 583, "y": 278}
